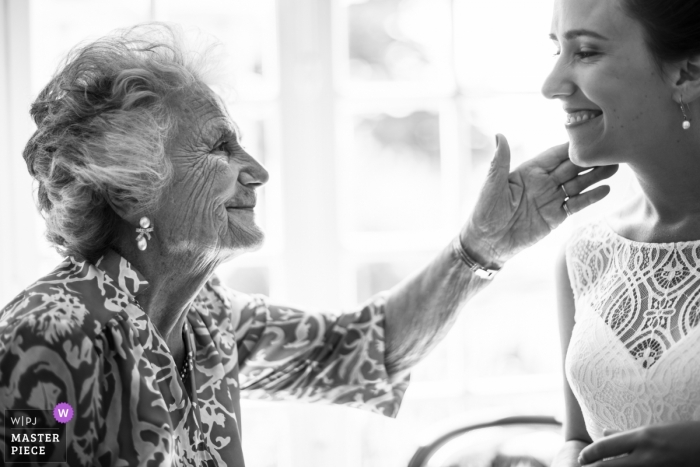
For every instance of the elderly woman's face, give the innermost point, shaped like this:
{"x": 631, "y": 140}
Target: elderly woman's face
{"x": 209, "y": 205}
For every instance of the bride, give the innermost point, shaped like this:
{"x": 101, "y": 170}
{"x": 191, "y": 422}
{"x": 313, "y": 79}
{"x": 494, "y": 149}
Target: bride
{"x": 628, "y": 76}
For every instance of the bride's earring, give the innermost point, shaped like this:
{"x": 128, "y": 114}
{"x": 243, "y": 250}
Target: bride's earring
{"x": 144, "y": 233}
{"x": 686, "y": 120}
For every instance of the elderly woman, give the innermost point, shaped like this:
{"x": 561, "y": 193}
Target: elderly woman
{"x": 145, "y": 188}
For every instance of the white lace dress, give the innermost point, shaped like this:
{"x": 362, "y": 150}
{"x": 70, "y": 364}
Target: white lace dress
{"x": 634, "y": 355}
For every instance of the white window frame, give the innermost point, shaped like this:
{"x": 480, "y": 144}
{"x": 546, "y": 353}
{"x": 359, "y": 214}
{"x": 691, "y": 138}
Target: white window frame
{"x": 19, "y": 218}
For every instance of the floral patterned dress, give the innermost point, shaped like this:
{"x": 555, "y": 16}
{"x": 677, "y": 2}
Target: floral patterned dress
{"x": 77, "y": 335}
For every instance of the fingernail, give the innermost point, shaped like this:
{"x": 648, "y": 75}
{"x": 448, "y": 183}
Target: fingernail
{"x": 496, "y": 141}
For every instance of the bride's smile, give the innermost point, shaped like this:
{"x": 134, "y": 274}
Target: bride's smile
{"x": 576, "y": 118}
{"x": 615, "y": 95}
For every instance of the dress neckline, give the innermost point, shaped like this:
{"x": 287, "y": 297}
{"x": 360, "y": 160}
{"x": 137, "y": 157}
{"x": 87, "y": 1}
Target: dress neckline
{"x": 686, "y": 243}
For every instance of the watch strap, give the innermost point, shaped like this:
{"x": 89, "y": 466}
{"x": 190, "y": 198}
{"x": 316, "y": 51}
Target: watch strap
{"x": 478, "y": 270}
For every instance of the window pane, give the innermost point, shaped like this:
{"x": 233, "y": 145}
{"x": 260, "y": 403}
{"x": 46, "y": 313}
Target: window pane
{"x": 512, "y": 327}
{"x": 503, "y": 45}
{"x": 396, "y": 179}
{"x": 247, "y": 279}
{"x": 376, "y": 277}
{"x": 540, "y": 124}
{"x": 59, "y": 25}
{"x": 245, "y": 27}
{"x": 402, "y": 40}
{"x": 264, "y": 444}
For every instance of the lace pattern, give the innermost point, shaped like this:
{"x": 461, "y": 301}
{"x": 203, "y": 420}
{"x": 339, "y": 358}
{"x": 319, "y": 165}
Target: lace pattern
{"x": 634, "y": 356}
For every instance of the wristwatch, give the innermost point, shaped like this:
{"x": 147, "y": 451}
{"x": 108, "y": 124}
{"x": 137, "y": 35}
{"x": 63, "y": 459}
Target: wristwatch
{"x": 478, "y": 270}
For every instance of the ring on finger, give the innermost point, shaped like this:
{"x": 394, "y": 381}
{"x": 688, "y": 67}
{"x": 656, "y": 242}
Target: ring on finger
{"x": 563, "y": 188}
{"x": 566, "y": 209}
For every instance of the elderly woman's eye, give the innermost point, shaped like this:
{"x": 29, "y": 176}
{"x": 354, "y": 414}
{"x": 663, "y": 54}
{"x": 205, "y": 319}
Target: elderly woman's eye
{"x": 222, "y": 146}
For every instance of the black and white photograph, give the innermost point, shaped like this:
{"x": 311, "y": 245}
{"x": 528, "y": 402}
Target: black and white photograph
{"x": 350, "y": 233}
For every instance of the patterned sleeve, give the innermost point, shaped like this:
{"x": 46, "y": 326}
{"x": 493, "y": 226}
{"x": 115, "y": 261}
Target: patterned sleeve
{"x": 286, "y": 353}
{"x": 43, "y": 363}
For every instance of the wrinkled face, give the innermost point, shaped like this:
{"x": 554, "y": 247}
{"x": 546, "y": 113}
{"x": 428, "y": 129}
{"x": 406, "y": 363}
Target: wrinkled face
{"x": 619, "y": 104}
{"x": 209, "y": 206}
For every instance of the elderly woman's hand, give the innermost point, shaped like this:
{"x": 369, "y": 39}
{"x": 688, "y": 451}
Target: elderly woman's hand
{"x": 517, "y": 209}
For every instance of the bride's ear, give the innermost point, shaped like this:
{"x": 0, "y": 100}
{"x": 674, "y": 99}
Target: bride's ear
{"x": 686, "y": 74}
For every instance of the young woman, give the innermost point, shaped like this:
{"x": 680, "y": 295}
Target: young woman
{"x": 628, "y": 76}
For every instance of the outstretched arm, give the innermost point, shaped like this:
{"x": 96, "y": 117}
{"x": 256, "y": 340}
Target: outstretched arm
{"x": 358, "y": 358}
{"x": 515, "y": 210}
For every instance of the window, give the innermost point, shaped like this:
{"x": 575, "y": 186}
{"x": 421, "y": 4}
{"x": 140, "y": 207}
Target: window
{"x": 376, "y": 120}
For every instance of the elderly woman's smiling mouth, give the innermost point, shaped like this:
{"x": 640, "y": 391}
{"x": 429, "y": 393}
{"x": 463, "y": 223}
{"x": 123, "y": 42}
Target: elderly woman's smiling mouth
{"x": 246, "y": 200}
{"x": 249, "y": 207}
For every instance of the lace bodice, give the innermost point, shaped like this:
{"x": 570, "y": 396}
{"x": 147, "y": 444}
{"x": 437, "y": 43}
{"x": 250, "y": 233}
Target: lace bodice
{"x": 634, "y": 355}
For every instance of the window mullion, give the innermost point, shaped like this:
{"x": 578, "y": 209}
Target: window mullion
{"x": 18, "y": 249}
{"x": 307, "y": 141}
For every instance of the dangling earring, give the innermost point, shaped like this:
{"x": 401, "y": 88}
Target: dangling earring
{"x": 144, "y": 232}
{"x": 686, "y": 120}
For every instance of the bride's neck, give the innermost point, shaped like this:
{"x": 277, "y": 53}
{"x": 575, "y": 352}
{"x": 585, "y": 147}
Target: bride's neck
{"x": 670, "y": 185}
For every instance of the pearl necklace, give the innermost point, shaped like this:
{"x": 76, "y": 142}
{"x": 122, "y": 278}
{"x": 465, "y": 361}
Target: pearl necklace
{"x": 189, "y": 360}
{"x": 187, "y": 367}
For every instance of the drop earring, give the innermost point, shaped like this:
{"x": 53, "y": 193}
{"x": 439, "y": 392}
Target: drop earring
{"x": 144, "y": 233}
{"x": 686, "y": 120}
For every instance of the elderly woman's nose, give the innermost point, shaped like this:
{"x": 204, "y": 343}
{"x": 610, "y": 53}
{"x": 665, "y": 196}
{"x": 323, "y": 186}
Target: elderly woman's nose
{"x": 253, "y": 174}
{"x": 558, "y": 84}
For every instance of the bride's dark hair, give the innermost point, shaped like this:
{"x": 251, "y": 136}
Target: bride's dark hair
{"x": 672, "y": 27}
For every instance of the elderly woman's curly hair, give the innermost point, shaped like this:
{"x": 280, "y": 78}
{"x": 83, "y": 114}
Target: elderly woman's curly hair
{"x": 102, "y": 126}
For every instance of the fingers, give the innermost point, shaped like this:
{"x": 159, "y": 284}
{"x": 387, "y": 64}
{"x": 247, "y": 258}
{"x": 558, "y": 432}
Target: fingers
{"x": 552, "y": 158}
{"x": 579, "y": 183}
{"x": 624, "y": 461}
{"x": 566, "y": 170}
{"x": 582, "y": 201}
{"x": 611, "y": 446}
{"x": 577, "y": 200}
